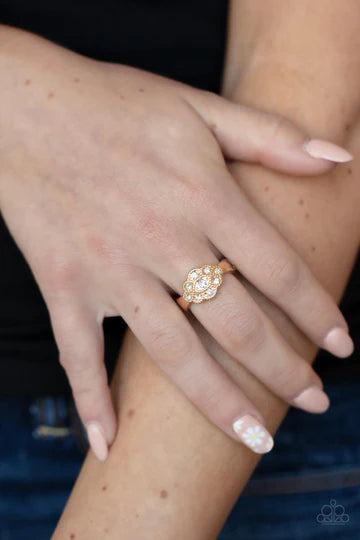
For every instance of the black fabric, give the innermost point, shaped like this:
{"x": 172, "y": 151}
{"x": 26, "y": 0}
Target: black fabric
{"x": 333, "y": 369}
{"x": 179, "y": 39}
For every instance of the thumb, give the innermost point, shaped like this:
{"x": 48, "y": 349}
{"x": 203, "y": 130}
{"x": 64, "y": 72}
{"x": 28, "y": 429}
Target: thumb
{"x": 249, "y": 134}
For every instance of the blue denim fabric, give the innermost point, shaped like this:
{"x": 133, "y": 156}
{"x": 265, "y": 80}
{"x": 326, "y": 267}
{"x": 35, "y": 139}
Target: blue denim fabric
{"x": 38, "y": 468}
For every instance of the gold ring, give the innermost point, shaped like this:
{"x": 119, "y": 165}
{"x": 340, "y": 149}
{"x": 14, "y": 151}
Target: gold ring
{"x": 202, "y": 283}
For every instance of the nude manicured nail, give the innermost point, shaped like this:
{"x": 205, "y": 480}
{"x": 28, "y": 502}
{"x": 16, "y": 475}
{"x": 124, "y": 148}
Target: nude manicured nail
{"x": 253, "y": 434}
{"x": 317, "y": 148}
{"x": 312, "y": 399}
{"x": 339, "y": 343}
{"x": 97, "y": 440}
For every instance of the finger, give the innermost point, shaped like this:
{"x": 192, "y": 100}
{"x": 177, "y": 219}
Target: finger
{"x": 253, "y": 135}
{"x": 166, "y": 334}
{"x": 81, "y": 351}
{"x": 265, "y": 259}
{"x": 238, "y": 324}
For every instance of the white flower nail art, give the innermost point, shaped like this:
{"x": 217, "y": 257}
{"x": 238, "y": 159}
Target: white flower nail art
{"x": 253, "y": 434}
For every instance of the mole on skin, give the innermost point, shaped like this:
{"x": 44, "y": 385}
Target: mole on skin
{"x": 301, "y": 202}
{"x": 313, "y": 248}
{"x": 72, "y": 536}
{"x": 307, "y": 215}
{"x": 141, "y": 90}
{"x": 266, "y": 188}
{"x": 27, "y": 82}
{"x": 76, "y": 80}
{"x": 130, "y": 413}
{"x": 349, "y": 171}
{"x": 163, "y": 493}
{"x": 104, "y": 488}
{"x": 136, "y": 309}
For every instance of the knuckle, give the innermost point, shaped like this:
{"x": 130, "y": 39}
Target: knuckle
{"x": 62, "y": 272}
{"x": 157, "y": 230}
{"x": 83, "y": 378}
{"x": 106, "y": 251}
{"x": 243, "y": 330}
{"x": 73, "y": 367}
{"x": 196, "y": 192}
{"x": 289, "y": 381}
{"x": 64, "y": 323}
{"x": 274, "y": 125}
{"x": 283, "y": 275}
{"x": 169, "y": 346}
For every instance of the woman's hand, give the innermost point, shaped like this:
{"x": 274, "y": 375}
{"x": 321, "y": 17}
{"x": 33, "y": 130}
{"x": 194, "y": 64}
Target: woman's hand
{"x": 113, "y": 184}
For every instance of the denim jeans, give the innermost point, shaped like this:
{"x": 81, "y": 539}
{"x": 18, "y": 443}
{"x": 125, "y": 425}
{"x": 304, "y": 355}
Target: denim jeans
{"x": 308, "y": 488}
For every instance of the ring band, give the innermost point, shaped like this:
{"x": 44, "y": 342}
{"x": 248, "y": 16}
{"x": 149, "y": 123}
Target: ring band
{"x": 202, "y": 283}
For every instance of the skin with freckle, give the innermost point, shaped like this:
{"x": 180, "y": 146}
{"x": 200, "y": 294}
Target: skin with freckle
{"x": 130, "y": 413}
{"x": 104, "y": 488}
{"x": 27, "y": 82}
{"x": 136, "y": 309}
{"x": 163, "y": 493}
{"x": 301, "y": 202}
{"x": 349, "y": 171}
{"x": 96, "y": 192}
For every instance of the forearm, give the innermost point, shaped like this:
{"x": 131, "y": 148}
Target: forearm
{"x": 170, "y": 473}
{"x": 301, "y": 58}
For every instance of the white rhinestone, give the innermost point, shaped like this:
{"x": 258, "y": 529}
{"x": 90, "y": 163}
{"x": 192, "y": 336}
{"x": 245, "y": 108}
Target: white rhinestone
{"x": 202, "y": 283}
{"x": 188, "y": 297}
{"x": 197, "y": 296}
{"x": 194, "y": 275}
{"x": 217, "y": 271}
{"x": 207, "y": 270}
{"x": 216, "y": 281}
{"x": 210, "y": 292}
{"x": 188, "y": 286}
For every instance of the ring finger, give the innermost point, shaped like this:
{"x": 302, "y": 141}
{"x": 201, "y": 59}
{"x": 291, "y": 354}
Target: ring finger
{"x": 239, "y": 325}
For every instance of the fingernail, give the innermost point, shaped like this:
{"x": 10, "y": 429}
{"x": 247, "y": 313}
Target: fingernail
{"x": 339, "y": 343}
{"x": 312, "y": 399}
{"x": 317, "y": 148}
{"x": 253, "y": 434}
{"x": 97, "y": 440}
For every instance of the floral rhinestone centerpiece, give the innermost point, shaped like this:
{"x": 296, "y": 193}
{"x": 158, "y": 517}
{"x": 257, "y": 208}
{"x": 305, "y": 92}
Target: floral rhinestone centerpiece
{"x": 202, "y": 283}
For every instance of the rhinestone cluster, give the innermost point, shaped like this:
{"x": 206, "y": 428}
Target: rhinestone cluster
{"x": 202, "y": 283}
